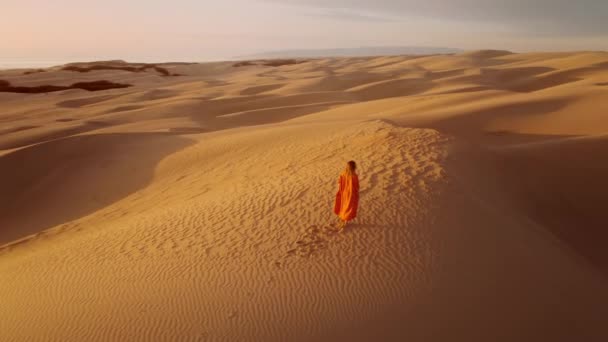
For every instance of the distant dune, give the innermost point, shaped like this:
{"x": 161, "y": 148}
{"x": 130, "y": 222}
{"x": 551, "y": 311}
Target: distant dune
{"x": 354, "y": 52}
{"x": 199, "y": 207}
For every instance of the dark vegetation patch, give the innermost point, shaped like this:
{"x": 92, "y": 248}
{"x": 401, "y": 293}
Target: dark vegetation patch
{"x": 243, "y": 63}
{"x": 268, "y": 62}
{"x": 16, "y": 129}
{"x": 177, "y": 63}
{"x": 121, "y": 65}
{"x": 36, "y": 71}
{"x": 6, "y": 87}
{"x": 281, "y": 62}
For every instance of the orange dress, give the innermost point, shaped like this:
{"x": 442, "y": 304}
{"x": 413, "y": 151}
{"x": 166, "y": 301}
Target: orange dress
{"x": 347, "y": 198}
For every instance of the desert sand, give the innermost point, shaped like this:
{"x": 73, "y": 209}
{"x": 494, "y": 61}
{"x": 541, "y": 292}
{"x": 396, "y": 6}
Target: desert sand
{"x": 193, "y": 203}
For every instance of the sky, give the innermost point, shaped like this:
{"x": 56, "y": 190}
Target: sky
{"x": 200, "y": 30}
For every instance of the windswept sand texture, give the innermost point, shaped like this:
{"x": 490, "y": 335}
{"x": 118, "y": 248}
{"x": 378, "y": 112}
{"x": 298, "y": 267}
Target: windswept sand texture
{"x": 198, "y": 208}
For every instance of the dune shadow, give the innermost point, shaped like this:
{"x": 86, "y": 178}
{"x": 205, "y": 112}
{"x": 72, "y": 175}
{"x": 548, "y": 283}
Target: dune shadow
{"x": 157, "y": 94}
{"x": 556, "y": 182}
{"x": 253, "y": 110}
{"x": 81, "y": 102}
{"x": 17, "y": 129}
{"x": 523, "y": 80}
{"x": 392, "y": 88}
{"x": 472, "y": 125}
{"x": 561, "y": 184}
{"x": 437, "y": 75}
{"x": 466, "y": 89}
{"x": 44, "y": 135}
{"x": 254, "y": 90}
{"x": 187, "y": 130}
{"x": 530, "y": 79}
{"x": 268, "y": 115}
{"x": 123, "y": 109}
{"x": 51, "y": 183}
{"x": 499, "y": 138}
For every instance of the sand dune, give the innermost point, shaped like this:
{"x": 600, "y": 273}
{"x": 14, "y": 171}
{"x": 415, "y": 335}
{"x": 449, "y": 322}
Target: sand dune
{"x": 199, "y": 207}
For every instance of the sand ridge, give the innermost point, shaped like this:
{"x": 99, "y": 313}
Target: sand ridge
{"x": 198, "y": 207}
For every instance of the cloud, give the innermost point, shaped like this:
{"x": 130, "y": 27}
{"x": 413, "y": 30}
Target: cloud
{"x": 543, "y": 17}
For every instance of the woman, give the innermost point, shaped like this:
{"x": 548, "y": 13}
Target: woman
{"x": 347, "y": 198}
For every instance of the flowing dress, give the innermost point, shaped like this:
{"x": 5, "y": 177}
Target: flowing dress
{"x": 347, "y": 198}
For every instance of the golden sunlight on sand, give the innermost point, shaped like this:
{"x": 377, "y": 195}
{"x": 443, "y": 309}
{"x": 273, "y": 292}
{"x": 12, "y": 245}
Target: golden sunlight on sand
{"x": 192, "y": 202}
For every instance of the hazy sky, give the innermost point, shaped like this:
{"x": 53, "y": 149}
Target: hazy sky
{"x": 205, "y": 29}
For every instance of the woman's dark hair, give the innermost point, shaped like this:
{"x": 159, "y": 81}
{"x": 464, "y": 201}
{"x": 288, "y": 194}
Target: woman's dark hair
{"x": 352, "y": 165}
